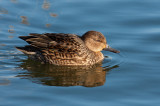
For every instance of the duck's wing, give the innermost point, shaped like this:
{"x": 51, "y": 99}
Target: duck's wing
{"x": 56, "y": 47}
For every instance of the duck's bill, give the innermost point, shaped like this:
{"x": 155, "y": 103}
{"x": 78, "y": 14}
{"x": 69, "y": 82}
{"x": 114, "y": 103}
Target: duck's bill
{"x": 111, "y": 50}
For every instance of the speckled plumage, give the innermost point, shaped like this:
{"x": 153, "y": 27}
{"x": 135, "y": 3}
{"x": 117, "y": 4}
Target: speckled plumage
{"x": 65, "y": 49}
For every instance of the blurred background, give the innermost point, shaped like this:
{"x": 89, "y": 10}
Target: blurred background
{"x": 130, "y": 78}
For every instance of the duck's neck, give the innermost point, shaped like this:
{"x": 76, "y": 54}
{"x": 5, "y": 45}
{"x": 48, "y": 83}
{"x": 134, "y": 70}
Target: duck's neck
{"x": 96, "y": 57}
{"x": 99, "y": 56}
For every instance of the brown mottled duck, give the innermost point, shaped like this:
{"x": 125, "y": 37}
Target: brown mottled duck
{"x": 66, "y": 49}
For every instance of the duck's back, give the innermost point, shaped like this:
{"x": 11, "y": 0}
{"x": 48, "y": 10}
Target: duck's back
{"x": 57, "y": 48}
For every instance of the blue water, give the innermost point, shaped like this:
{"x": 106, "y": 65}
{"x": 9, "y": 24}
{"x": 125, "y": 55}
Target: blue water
{"x": 130, "y": 78}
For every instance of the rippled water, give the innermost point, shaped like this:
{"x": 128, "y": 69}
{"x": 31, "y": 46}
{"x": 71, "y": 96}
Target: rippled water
{"x": 130, "y": 78}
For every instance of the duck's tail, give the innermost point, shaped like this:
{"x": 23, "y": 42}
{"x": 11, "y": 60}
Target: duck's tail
{"x": 29, "y": 50}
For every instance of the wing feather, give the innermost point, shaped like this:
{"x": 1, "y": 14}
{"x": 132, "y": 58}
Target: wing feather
{"x": 57, "y": 47}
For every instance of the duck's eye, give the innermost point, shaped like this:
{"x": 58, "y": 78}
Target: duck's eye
{"x": 99, "y": 40}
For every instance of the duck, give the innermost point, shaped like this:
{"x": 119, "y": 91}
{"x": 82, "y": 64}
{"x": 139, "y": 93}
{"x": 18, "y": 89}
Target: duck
{"x": 66, "y": 49}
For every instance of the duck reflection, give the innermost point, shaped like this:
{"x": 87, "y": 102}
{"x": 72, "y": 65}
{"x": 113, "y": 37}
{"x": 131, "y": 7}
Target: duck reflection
{"x": 51, "y": 75}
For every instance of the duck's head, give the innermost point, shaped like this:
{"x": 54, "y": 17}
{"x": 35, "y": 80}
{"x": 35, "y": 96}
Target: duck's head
{"x": 96, "y": 42}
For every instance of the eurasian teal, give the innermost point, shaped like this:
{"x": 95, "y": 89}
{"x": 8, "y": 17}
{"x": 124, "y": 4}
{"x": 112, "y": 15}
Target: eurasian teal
{"x": 66, "y": 49}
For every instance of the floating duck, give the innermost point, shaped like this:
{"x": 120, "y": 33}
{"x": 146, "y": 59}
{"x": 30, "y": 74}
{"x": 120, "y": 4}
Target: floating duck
{"x": 66, "y": 49}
